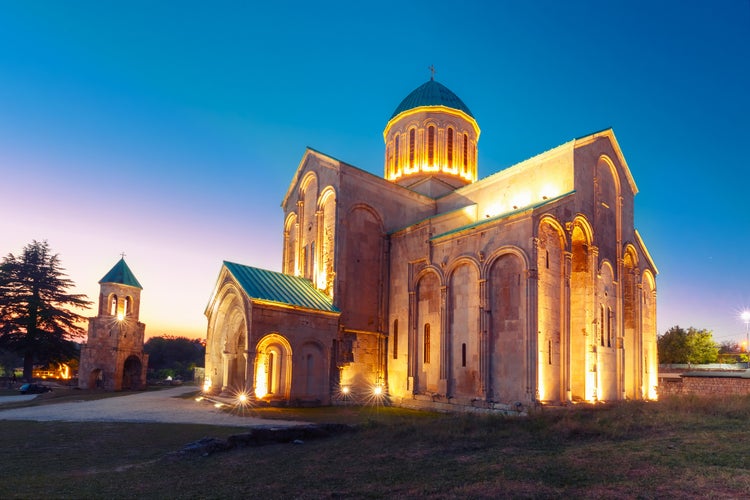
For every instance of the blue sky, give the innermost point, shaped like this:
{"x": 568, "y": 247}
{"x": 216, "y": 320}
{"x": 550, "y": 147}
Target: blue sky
{"x": 170, "y": 130}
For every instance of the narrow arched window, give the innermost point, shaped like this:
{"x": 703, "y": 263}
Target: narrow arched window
{"x": 426, "y": 346}
{"x": 412, "y": 140}
{"x": 128, "y": 306}
{"x": 601, "y": 325}
{"x": 113, "y": 305}
{"x": 431, "y": 145}
{"x": 450, "y": 147}
{"x": 466, "y": 151}
{"x": 395, "y": 155}
{"x": 395, "y": 339}
{"x": 609, "y": 327}
{"x": 463, "y": 355}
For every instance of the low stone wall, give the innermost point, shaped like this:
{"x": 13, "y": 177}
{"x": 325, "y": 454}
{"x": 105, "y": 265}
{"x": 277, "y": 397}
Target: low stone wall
{"x": 705, "y": 384}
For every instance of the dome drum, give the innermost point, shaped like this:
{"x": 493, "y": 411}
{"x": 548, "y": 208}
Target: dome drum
{"x": 435, "y": 139}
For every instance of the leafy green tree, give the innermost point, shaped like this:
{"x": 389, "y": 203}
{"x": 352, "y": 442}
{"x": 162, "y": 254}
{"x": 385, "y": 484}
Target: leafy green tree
{"x": 35, "y": 319}
{"x": 174, "y": 355}
{"x": 690, "y": 346}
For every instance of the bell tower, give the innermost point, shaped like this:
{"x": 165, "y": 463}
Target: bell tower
{"x": 113, "y": 357}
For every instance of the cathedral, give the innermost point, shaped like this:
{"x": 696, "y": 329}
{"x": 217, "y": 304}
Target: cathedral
{"x": 435, "y": 289}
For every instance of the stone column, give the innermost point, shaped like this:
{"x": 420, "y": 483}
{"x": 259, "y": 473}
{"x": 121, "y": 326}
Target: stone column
{"x": 445, "y": 347}
{"x": 484, "y": 348}
{"x": 565, "y": 335}
{"x": 412, "y": 350}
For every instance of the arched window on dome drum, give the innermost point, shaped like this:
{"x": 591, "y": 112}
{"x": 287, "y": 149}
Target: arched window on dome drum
{"x": 412, "y": 133}
{"x": 450, "y": 147}
{"x": 430, "y": 145}
{"x": 466, "y": 151}
{"x": 396, "y": 153}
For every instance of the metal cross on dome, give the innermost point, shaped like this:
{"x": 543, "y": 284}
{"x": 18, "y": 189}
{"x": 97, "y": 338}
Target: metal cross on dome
{"x": 432, "y": 71}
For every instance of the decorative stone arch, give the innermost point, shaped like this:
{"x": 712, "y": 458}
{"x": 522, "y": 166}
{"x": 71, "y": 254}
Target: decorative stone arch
{"x": 226, "y": 342}
{"x": 607, "y": 207}
{"x": 307, "y": 208}
{"x": 648, "y": 328}
{"x": 273, "y": 368}
{"x": 552, "y": 335}
{"x": 607, "y": 381}
{"x": 312, "y": 371}
{"x": 426, "y": 351}
{"x": 584, "y": 226}
{"x": 325, "y": 272}
{"x": 362, "y": 269}
{"x": 556, "y": 225}
{"x": 606, "y": 161}
{"x": 631, "y": 325}
{"x": 132, "y": 370}
{"x": 511, "y": 376}
{"x": 462, "y": 338}
{"x": 582, "y": 362}
{"x": 305, "y": 183}
{"x": 500, "y": 252}
{"x": 291, "y": 247}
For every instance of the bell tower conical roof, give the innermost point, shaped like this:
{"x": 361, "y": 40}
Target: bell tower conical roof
{"x": 121, "y": 274}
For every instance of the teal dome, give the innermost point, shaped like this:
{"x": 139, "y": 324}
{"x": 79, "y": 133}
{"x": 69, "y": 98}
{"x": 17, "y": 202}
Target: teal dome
{"x": 432, "y": 93}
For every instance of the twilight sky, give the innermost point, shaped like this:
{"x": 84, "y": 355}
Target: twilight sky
{"x": 171, "y": 130}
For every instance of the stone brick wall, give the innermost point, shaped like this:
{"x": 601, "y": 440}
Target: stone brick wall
{"x": 704, "y": 386}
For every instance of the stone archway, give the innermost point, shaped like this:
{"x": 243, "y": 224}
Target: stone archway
{"x": 273, "y": 368}
{"x": 96, "y": 379}
{"x": 131, "y": 374}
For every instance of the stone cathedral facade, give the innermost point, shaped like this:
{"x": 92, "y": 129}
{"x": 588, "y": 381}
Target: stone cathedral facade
{"x": 441, "y": 290}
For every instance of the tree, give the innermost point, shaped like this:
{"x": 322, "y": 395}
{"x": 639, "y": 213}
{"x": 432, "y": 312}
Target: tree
{"x": 35, "y": 319}
{"x": 690, "y": 346}
{"x": 175, "y": 355}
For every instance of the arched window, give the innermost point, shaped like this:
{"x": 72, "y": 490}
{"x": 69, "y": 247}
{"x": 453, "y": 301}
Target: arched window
{"x": 395, "y": 155}
{"x": 395, "y": 339}
{"x": 426, "y": 343}
{"x": 463, "y": 354}
{"x": 601, "y": 325}
{"x": 466, "y": 151}
{"x": 128, "y": 305}
{"x": 609, "y": 327}
{"x": 113, "y": 305}
{"x": 450, "y": 147}
{"x": 430, "y": 145}
{"x": 412, "y": 140}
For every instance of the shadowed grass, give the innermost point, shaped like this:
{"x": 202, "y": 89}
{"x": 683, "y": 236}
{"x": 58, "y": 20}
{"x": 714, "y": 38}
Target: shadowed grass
{"x": 678, "y": 447}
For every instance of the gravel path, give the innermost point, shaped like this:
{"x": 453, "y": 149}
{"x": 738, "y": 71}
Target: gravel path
{"x": 154, "y": 406}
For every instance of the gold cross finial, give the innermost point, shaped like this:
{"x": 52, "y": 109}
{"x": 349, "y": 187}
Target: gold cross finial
{"x": 432, "y": 72}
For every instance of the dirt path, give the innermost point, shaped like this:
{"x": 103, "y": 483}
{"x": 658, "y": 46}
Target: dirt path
{"x": 156, "y": 406}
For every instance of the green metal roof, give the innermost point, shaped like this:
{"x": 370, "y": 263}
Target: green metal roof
{"x": 432, "y": 93}
{"x": 278, "y": 287}
{"x": 121, "y": 274}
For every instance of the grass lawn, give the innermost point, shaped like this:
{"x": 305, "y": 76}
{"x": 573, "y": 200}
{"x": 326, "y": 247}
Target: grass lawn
{"x": 675, "y": 448}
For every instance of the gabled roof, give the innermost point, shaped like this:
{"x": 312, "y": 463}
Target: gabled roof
{"x": 270, "y": 286}
{"x": 121, "y": 274}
